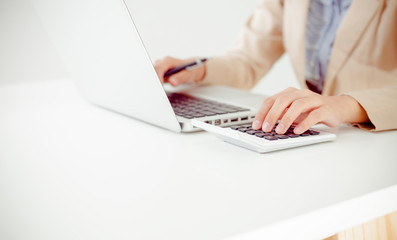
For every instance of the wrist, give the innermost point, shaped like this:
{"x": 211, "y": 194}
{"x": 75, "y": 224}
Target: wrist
{"x": 201, "y": 72}
{"x": 353, "y": 111}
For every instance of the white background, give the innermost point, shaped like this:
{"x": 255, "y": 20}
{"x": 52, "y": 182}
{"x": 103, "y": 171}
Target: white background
{"x": 180, "y": 28}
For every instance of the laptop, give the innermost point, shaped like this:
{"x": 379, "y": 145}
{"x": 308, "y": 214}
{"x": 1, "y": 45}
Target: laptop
{"x": 100, "y": 45}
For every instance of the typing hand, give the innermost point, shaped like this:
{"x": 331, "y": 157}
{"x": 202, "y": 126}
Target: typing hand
{"x": 306, "y": 108}
{"x": 185, "y": 76}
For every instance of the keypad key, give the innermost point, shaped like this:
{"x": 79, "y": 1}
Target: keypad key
{"x": 291, "y": 135}
{"x": 312, "y": 132}
{"x": 270, "y": 138}
{"x": 251, "y": 132}
{"x": 243, "y": 129}
{"x": 260, "y": 134}
{"x": 290, "y": 130}
{"x": 281, "y": 136}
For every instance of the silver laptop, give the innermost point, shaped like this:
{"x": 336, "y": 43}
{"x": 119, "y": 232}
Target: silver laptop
{"x": 100, "y": 45}
{"x": 102, "y": 49}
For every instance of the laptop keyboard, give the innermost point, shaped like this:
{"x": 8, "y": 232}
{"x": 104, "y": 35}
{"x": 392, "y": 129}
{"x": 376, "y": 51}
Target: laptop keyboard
{"x": 273, "y": 136}
{"x": 191, "y": 107}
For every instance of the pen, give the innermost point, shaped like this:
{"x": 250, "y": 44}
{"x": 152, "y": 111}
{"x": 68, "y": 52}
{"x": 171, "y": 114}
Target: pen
{"x": 187, "y": 66}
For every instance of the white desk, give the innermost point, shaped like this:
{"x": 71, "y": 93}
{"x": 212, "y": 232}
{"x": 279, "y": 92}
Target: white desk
{"x": 71, "y": 170}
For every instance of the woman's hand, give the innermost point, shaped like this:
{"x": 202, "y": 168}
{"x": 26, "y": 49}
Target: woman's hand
{"x": 305, "y": 109}
{"x": 186, "y": 76}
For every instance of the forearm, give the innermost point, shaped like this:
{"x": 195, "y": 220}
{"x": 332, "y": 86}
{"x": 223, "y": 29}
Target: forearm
{"x": 232, "y": 71}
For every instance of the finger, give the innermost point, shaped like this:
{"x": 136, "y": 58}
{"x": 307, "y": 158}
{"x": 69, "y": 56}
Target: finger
{"x": 297, "y": 108}
{"x": 181, "y": 77}
{"x": 314, "y": 117}
{"x": 265, "y": 107}
{"x": 163, "y": 65}
{"x": 280, "y": 104}
{"x": 283, "y": 113}
{"x": 301, "y": 117}
{"x": 168, "y": 63}
{"x": 263, "y": 110}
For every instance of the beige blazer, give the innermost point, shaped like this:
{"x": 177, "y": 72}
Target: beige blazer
{"x": 363, "y": 62}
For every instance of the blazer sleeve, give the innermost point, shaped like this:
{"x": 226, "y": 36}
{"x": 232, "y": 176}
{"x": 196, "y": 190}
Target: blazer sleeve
{"x": 380, "y": 105}
{"x": 372, "y": 70}
{"x": 256, "y": 50}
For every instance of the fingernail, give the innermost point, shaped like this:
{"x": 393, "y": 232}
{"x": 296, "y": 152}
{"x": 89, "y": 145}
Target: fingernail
{"x": 298, "y": 130}
{"x": 280, "y": 128}
{"x": 266, "y": 126}
{"x": 256, "y": 124}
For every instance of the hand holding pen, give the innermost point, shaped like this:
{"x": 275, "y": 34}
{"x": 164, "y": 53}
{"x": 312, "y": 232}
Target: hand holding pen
{"x": 177, "y": 71}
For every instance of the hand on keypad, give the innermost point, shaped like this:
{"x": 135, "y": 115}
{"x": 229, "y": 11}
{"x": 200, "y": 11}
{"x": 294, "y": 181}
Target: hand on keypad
{"x": 271, "y": 136}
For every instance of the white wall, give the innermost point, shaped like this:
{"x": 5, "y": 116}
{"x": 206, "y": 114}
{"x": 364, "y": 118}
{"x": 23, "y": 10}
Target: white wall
{"x": 26, "y": 54}
{"x": 181, "y": 28}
